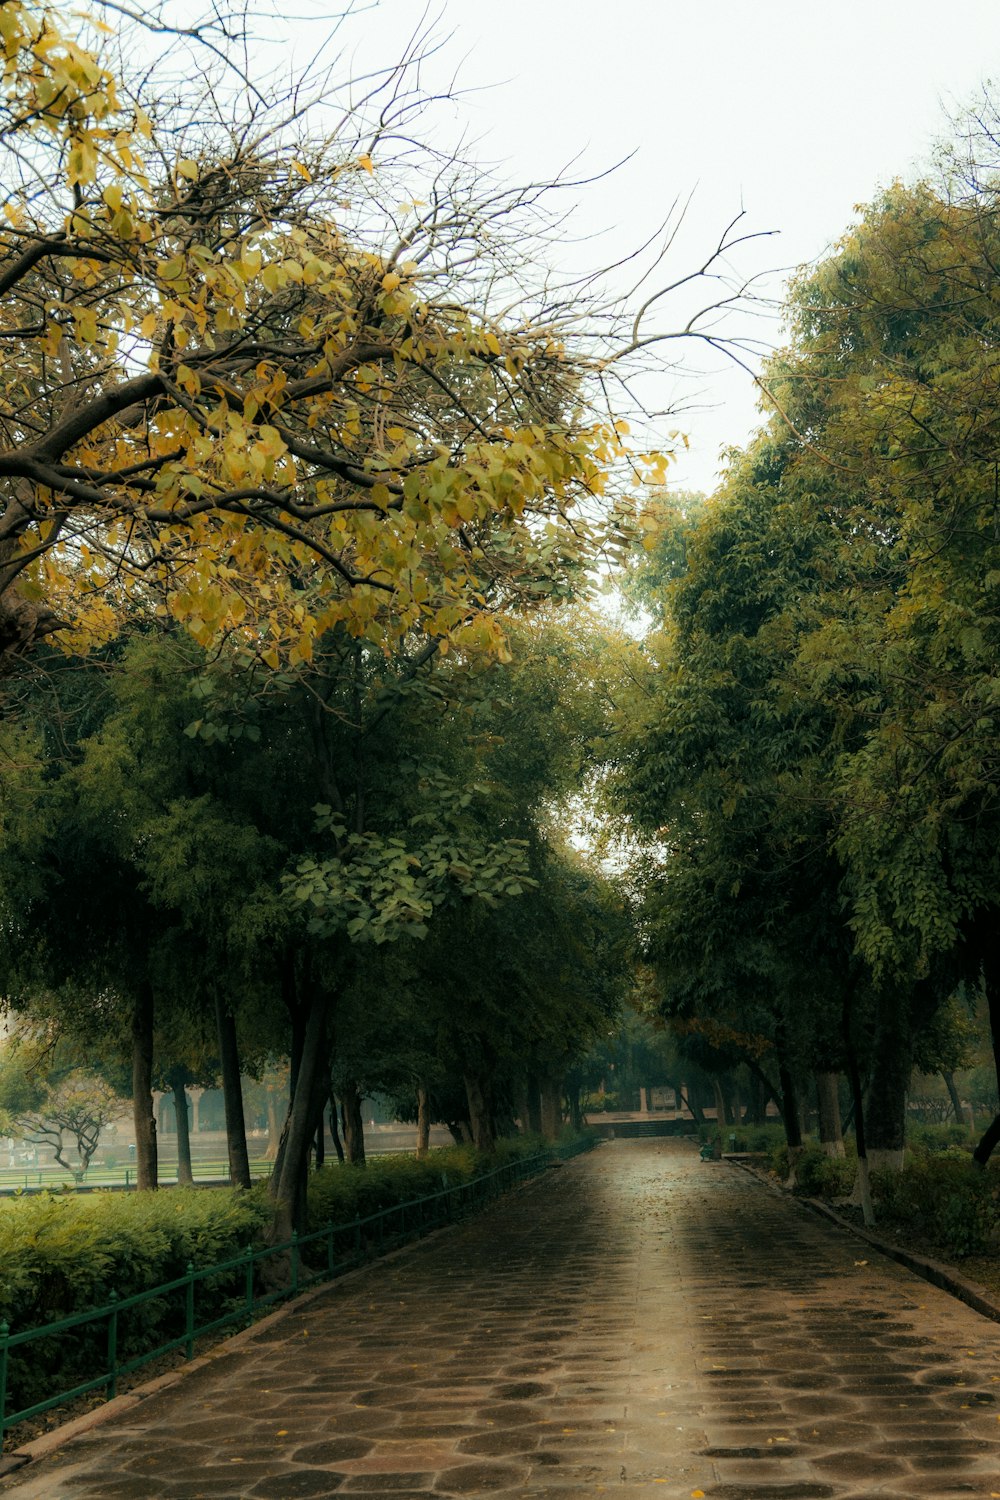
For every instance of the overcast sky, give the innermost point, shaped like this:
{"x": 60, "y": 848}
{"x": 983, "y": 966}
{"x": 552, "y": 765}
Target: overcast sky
{"x": 796, "y": 110}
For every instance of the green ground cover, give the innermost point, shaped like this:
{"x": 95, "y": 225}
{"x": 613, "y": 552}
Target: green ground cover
{"x": 27, "y": 1178}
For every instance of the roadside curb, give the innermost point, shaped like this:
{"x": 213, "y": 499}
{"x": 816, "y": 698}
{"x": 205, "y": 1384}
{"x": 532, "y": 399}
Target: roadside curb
{"x": 15, "y": 1461}
{"x": 943, "y": 1276}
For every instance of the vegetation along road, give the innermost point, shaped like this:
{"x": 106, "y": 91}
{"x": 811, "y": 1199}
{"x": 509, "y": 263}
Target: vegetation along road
{"x": 640, "y": 1323}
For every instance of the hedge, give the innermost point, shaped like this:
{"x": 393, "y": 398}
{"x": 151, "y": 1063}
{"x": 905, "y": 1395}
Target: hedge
{"x": 65, "y": 1253}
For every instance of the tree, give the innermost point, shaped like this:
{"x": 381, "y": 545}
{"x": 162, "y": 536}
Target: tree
{"x": 51, "y": 1101}
{"x": 824, "y": 705}
{"x": 257, "y": 398}
{"x": 887, "y": 388}
{"x": 722, "y": 772}
{"x": 252, "y": 385}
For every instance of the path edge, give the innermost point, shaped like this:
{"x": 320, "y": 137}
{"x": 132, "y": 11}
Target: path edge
{"x": 937, "y": 1272}
{"x": 50, "y": 1442}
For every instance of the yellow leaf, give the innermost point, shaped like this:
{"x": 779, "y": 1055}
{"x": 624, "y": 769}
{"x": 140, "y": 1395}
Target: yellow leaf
{"x": 302, "y": 171}
{"x": 493, "y": 343}
{"x": 365, "y": 161}
{"x": 273, "y": 660}
{"x": 148, "y": 326}
{"x": 188, "y": 168}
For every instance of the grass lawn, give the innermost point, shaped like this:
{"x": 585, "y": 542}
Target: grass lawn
{"x": 26, "y": 1178}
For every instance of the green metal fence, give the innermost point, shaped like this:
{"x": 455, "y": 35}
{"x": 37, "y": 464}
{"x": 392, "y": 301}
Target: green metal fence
{"x": 238, "y": 1286}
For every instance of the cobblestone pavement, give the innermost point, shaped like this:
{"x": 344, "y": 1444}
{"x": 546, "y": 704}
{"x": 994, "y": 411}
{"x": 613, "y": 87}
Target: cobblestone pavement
{"x": 638, "y": 1324}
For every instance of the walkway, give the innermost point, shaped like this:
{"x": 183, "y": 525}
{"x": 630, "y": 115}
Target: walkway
{"x": 638, "y": 1324}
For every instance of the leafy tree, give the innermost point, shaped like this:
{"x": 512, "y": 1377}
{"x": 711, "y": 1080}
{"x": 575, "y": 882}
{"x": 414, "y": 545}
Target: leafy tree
{"x": 814, "y": 757}
{"x": 48, "y": 1099}
{"x": 886, "y": 389}
{"x": 249, "y": 382}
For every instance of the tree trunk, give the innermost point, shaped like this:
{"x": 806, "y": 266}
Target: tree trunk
{"x": 988, "y": 1142}
{"x": 320, "y": 1143}
{"x": 688, "y": 1098}
{"x": 185, "y": 1176}
{"x": 760, "y": 1092}
{"x": 791, "y": 1116}
{"x": 338, "y": 1144}
{"x": 828, "y": 1108}
{"x": 142, "y": 1091}
{"x": 352, "y": 1124}
{"x": 722, "y": 1116}
{"x": 862, "y": 1186}
{"x": 423, "y": 1122}
{"x": 273, "y": 1128}
{"x": 289, "y": 1180}
{"x": 885, "y": 1110}
{"x": 551, "y": 1109}
{"x": 297, "y": 1015}
{"x": 991, "y": 984}
{"x": 956, "y": 1103}
{"x": 479, "y": 1114}
{"x": 533, "y": 1125}
{"x": 232, "y": 1094}
{"x": 791, "y": 1113}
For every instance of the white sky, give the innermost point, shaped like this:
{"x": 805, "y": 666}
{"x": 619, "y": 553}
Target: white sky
{"x": 797, "y": 110}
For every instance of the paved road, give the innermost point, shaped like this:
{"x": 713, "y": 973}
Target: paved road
{"x": 639, "y": 1324}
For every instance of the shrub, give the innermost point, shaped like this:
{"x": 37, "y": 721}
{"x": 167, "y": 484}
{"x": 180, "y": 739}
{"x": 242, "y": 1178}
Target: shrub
{"x": 925, "y": 1140}
{"x": 818, "y": 1175}
{"x": 755, "y": 1138}
{"x": 339, "y": 1195}
{"x": 61, "y": 1254}
{"x": 944, "y": 1199}
{"x": 608, "y": 1102}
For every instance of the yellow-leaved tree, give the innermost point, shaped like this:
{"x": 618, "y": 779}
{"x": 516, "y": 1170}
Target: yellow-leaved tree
{"x": 242, "y": 378}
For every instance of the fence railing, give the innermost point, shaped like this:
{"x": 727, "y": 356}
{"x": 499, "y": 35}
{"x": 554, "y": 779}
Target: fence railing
{"x": 239, "y": 1287}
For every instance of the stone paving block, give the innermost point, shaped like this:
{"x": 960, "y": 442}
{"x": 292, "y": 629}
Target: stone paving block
{"x": 303, "y": 1484}
{"x": 401, "y": 1479}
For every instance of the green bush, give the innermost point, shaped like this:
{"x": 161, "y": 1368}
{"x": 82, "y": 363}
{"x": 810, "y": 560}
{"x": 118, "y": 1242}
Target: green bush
{"x": 942, "y": 1198}
{"x": 339, "y": 1195}
{"x": 608, "y": 1102}
{"x": 818, "y": 1175}
{"x": 925, "y": 1140}
{"x": 755, "y": 1138}
{"x": 61, "y": 1254}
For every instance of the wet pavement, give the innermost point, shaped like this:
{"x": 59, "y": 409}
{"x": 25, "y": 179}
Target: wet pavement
{"x": 636, "y": 1324}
